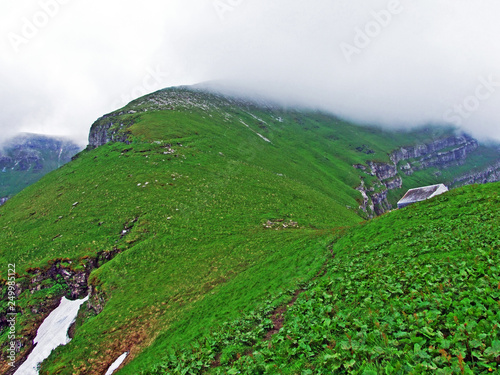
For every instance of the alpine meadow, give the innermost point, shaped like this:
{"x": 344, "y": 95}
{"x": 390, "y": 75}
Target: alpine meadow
{"x": 216, "y": 234}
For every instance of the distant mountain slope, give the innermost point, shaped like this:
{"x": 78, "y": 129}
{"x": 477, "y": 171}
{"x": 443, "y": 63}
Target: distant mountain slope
{"x": 25, "y": 158}
{"x": 187, "y": 210}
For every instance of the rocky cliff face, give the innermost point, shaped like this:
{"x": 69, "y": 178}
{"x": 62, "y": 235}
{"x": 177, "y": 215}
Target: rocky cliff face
{"x": 442, "y": 153}
{"x": 405, "y": 161}
{"x": 432, "y": 149}
{"x": 488, "y": 174}
{"x": 109, "y": 128}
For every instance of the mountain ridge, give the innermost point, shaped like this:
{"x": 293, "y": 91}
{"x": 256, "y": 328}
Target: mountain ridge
{"x": 449, "y": 150}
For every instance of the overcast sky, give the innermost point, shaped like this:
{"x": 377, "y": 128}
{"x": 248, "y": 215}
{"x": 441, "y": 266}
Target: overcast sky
{"x": 64, "y": 63}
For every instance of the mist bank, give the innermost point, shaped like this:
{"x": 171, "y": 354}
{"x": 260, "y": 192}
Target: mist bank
{"x": 289, "y": 95}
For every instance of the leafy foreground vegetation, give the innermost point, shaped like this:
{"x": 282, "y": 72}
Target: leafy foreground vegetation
{"x": 219, "y": 213}
{"x": 415, "y": 291}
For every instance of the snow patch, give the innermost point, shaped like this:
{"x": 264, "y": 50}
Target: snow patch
{"x": 116, "y": 364}
{"x": 260, "y": 135}
{"x": 264, "y": 138}
{"x": 257, "y": 118}
{"x": 52, "y": 333}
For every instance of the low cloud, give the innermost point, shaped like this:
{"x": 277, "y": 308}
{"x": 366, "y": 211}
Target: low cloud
{"x": 408, "y": 63}
{"x": 395, "y": 63}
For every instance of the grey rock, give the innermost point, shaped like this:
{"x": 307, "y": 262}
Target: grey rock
{"x": 440, "y": 153}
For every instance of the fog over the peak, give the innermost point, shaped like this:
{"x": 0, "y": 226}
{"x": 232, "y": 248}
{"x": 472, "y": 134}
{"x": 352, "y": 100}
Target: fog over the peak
{"x": 395, "y": 63}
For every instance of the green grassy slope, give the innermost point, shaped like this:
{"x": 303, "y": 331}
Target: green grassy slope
{"x": 414, "y": 291}
{"x": 194, "y": 229}
{"x": 186, "y": 205}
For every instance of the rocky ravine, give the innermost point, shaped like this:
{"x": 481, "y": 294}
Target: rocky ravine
{"x": 60, "y": 277}
{"x": 76, "y": 286}
{"x": 405, "y": 161}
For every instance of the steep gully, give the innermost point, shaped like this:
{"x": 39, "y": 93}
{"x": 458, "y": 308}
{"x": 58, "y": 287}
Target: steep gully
{"x": 60, "y": 272}
{"x": 52, "y": 333}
